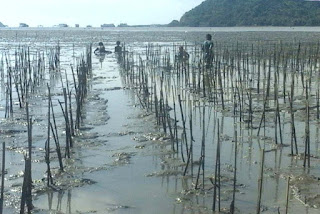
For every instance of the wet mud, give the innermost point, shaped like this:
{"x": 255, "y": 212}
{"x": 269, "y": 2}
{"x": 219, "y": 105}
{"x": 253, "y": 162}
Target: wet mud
{"x": 122, "y": 161}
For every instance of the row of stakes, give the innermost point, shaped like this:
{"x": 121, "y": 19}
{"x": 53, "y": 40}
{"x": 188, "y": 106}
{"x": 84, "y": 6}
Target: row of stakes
{"x": 23, "y": 78}
{"x": 241, "y": 76}
{"x": 256, "y": 82}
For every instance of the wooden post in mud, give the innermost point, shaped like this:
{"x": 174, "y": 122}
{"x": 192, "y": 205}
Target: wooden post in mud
{"x": 235, "y": 128}
{"x": 293, "y": 128}
{"x": 28, "y": 161}
{"x": 68, "y": 130}
{"x": 278, "y": 121}
{"x": 191, "y": 142}
{"x": 89, "y": 57}
{"x": 266, "y": 98}
{"x": 175, "y": 123}
{"x": 288, "y": 194}
{"x": 168, "y": 119}
{"x": 221, "y": 86}
{"x": 70, "y": 107}
{"x": 71, "y": 115}
{"x": 17, "y": 87}
{"x": 202, "y": 154}
{"x": 10, "y": 95}
{"x": 216, "y": 196}
{"x": 29, "y": 131}
{"x": 219, "y": 173}
{"x": 306, "y": 160}
{"x": 55, "y": 134}
{"x": 24, "y": 189}
{"x": 162, "y": 106}
{"x": 184, "y": 126}
{"x": 47, "y": 144}
{"x": 26, "y": 197}
{"x": 3, "y": 171}
{"x": 156, "y": 104}
{"x": 234, "y": 174}
{"x": 260, "y": 181}
{"x": 318, "y": 95}
{"x": 190, "y": 155}
{"x": 67, "y": 152}
{"x": 56, "y": 140}
{"x": 203, "y": 145}
{"x": 78, "y": 92}
{"x": 9, "y": 102}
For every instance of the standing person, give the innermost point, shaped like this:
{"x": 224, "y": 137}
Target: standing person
{"x": 207, "y": 49}
{"x": 118, "y": 52}
{"x": 118, "y": 48}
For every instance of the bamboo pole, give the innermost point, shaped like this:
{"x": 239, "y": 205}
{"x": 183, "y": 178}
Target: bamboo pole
{"x": 287, "y": 195}
{"x": 3, "y": 171}
{"x": 260, "y": 181}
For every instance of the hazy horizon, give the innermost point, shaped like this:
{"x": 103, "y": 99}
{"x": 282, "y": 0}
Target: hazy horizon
{"x": 95, "y": 12}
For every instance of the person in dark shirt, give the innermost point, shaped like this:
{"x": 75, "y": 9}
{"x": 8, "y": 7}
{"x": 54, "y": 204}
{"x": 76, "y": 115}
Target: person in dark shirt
{"x": 100, "y": 49}
{"x": 118, "y": 48}
{"x": 207, "y": 49}
{"x": 183, "y": 55}
{"x": 118, "y": 52}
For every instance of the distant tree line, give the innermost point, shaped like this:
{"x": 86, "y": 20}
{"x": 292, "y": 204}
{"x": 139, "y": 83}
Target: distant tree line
{"x": 252, "y": 13}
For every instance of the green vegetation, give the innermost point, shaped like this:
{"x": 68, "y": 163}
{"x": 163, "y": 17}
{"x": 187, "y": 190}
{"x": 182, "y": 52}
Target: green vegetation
{"x": 253, "y": 12}
{"x": 174, "y": 23}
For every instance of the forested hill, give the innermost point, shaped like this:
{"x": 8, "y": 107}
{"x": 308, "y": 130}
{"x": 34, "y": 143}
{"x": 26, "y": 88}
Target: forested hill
{"x": 253, "y": 13}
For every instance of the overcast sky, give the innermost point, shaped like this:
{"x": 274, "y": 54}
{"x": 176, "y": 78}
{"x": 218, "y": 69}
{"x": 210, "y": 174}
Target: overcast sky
{"x": 92, "y": 12}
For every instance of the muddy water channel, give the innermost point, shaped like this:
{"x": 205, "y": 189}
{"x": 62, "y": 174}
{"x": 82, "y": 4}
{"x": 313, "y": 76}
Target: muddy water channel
{"x": 146, "y": 133}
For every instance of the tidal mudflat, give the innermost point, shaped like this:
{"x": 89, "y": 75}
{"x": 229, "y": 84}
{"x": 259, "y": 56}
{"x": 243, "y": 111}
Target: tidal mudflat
{"x": 150, "y": 134}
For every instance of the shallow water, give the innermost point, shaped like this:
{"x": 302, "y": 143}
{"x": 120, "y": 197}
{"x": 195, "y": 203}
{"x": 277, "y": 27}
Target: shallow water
{"x": 117, "y": 164}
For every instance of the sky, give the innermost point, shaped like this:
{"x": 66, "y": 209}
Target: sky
{"x": 92, "y": 12}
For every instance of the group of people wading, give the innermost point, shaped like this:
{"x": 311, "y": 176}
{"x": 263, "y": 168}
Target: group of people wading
{"x": 101, "y": 51}
{"x": 207, "y": 49}
{"x": 181, "y": 57}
